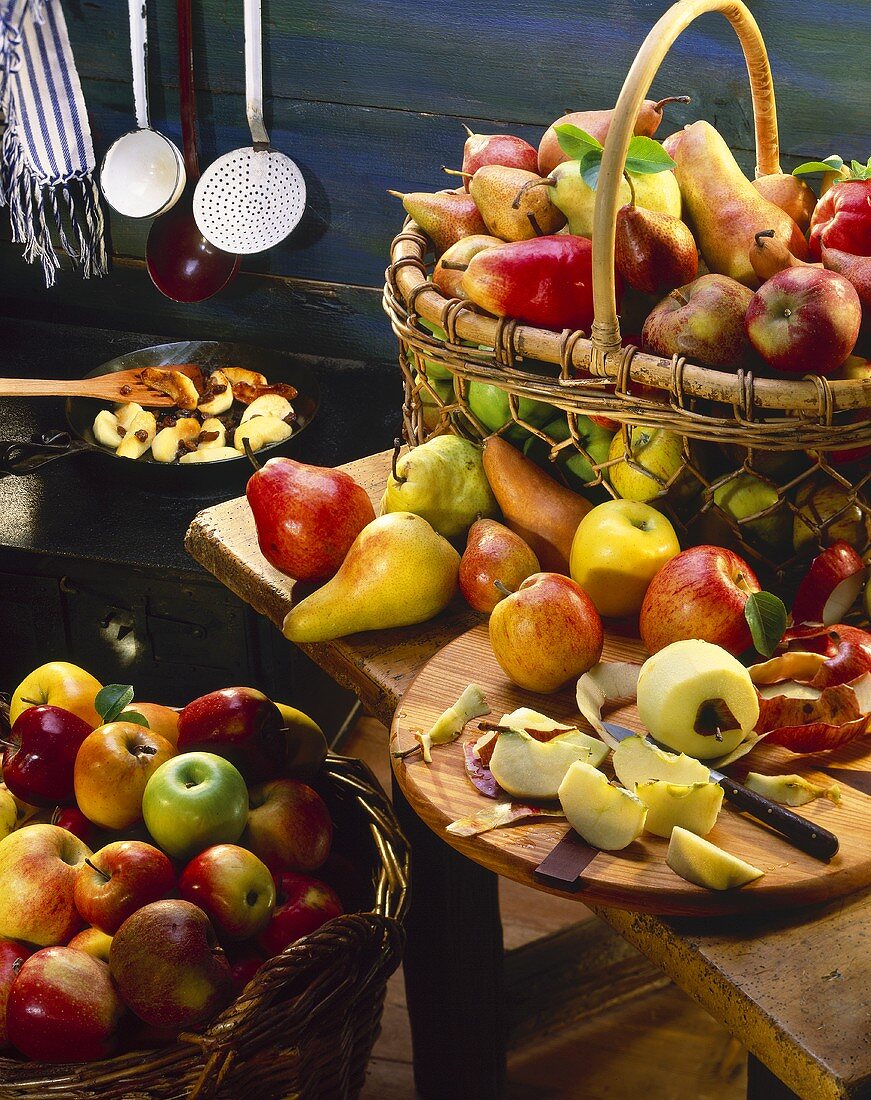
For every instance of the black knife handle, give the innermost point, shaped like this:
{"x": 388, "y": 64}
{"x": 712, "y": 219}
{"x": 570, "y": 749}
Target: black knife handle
{"x": 804, "y": 834}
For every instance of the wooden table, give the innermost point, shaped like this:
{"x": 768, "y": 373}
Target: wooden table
{"x": 795, "y": 988}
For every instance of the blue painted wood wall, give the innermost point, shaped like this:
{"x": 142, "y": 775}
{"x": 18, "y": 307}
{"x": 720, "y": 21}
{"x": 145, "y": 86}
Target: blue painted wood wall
{"x": 370, "y": 94}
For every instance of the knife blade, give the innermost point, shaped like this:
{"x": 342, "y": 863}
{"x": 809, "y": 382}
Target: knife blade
{"x": 799, "y": 831}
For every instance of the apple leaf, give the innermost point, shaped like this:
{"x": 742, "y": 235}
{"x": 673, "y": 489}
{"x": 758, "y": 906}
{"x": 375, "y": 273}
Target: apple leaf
{"x": 646, "y": 156}
{"x": 574, "y": 141}
{"x": 111, "y": 700}
{"x": 812, "y": 167}
{"x": 860, "y": 171}
{"x": 591, "y": 165}
{"x": 766, "y": 617}
{"x": 136, "y": 718}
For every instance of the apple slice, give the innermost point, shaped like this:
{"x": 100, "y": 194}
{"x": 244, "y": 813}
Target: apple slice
{"x": 637, "y": 760}
{"x": 830, "y": 587}
{"x": 526, "y": 768}
{"x": 697, "y": 698}
{"x": 694, "y": 807}
{"x": 790, "y": 790}
{"x": 527, "y": 719}
{"x": 605, "y": 816}
{"x": 704, "y": 864}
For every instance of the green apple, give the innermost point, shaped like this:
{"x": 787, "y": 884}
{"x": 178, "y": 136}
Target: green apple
{"x": 617, "y": 550}
{"x": 489, "y": 404}
{"x": 825, "y": 501}
{"x": 434, "y": 370}
{"x": 431, "y": 406}
{"x": 704, "y": 864}
{"x": 745, "y": 495}
{"x": 193, "y": 801}
{"x": 637, "y": 760}
{"x": 654, "y": 449}
{"x": 578, "y": 471}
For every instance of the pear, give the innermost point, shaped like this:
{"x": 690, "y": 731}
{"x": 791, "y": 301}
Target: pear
{"x": 515, "y": 205}
{"x": 654, "y": 252}
{"x": 448, "y": 273}
{"x": 442, "y": 480}
{"x": 768, "y": 255}
{"x": 791, "y": 194}
{"x": 544, "y": 513}
{"x": 398, "y": 572}
{"x": 445, "y": 216}
{"x": 505, "y": 149}
{"x": 597, "y": 124}
{"x": 657, "y": 191}
{"x": 703, "y": 321}
{"x": 493, "y": 553}
{"x": 724, "y": 209}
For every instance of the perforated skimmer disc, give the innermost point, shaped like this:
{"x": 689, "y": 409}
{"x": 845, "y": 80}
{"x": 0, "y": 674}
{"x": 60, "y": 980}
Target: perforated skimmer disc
{"x": 249, "y": 200}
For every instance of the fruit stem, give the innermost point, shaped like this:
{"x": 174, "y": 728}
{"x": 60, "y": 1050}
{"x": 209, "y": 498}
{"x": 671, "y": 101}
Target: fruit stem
{"x": 454, "y": 267}
{"x": 500, "y": 587}
{"x": 466, "y": 128}
{"x": 395, "y": 194}
{"x": 457, "y": 172}
{"x": 33, "y": 702}
{"x": 533, "y": 221}
{"x": 246, "y": 443}
{"x": 94, "y": 867}
{"x": 670, "y": 99}
{"x": 397, "y": 447}
{"x": 406, "y": 753}
{"x": 497, "y": 727}
{"x": 763, "y": 233}
{"x": 628, "y": 179}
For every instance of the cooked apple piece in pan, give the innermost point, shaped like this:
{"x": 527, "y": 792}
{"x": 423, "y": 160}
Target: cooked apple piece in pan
{"x": 240, "y": 374}
{"x": 126, "y": 414}
{"x": 260, "y": 431}
{"x": 217, "y": 396}
{"x": 270, "y": 404}
{"x": 166, "y": 442}
{"x": 173, "y": 383}
{"x": 248, "y": 394}
{"x": 139, "y": 437}
{"x": 209, "y": 454}
{"x": 212, "y": 434}
{"x": 107, "y": 431}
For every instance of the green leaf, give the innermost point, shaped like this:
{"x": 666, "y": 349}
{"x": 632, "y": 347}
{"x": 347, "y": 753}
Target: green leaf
{"x": 860, "y": 171}
{"x": 136, "y": 718}
{"x": 646, "y": 156}
{"x": 766, "y": 617}
{"x": 111, "y": 700}
{"x": 591, "y": 164}
{"x": 811, "y": 167}
{"x": 575, "y": 142}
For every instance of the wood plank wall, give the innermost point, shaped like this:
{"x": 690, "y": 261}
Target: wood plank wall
{"x": 370, "y": 94}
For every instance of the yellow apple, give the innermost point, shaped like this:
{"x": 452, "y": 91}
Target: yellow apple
{"x": 113, "y": 766}
{"x": 527, "y": 768}
{"x": 617, "y": 550}
{"x": 653, "y": 449}
{"x": 704, "y": 864}
{"x": 605, "y": 816}
{"x": 58, "y": 684}
{"x": 694, "y": 807}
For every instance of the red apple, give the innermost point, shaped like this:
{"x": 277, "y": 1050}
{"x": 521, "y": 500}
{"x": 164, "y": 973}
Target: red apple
{"x": 703, "y": 321}
{"x": 63, "y": 1007}
{"x": 233, "y": 888}
{"x": 701, "y": 594}
{"x": 112, "y": 769}
{"x": 289, "y": 826}
{"x": 93, "y": 942}
{"x": 245, "y": 960}
{"x": 168, "y": 967}
{"x": 118, "y": 880}
{"x": 38, "y": 762}
{"x": 307, "y": 516}
{"x": 804, "y": 320}
{"x": 830, "y": 587}
{"x": 546, "y": 633}
{"x": 73, "y": 820}
{"x": 504, "y": 149}
{"x": 38, "y": 867}
{"x": 12, "y": 955}
{"x": 303, "y": 904}
{"x": 240, "y": 724}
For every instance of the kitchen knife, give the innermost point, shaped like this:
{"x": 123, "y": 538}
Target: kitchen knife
{"x": 803, "y": 834}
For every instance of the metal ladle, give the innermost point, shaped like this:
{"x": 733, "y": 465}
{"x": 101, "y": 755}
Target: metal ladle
{"x": 250, "y": 199}
{"x": 182, "y": 263}
{"x": 143, "y": 172}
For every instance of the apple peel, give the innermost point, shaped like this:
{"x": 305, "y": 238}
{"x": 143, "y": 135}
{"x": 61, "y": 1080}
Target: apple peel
{"x": 480, "y": 776}
{"x": 506, "y": 813}
{"x": 830, "y": 587}
{"x": 791, "y": 790}
{"x": 608, "y": 684}
{"x": 449, "y": 725}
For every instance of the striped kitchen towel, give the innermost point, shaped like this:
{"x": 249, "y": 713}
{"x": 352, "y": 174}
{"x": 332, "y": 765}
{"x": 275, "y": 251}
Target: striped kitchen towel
{"x": 48, "y": 156}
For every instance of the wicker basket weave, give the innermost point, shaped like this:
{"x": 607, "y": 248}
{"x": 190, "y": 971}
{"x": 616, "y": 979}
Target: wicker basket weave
{"x": 304, "y": 1026}
{"x": 783, "y": 431}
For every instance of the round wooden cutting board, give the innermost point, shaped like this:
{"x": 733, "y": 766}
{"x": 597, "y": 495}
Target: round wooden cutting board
{"x": 636, "y": 878}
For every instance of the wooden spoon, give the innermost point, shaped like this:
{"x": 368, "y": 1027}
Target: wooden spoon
{"x": 120, "y": 386}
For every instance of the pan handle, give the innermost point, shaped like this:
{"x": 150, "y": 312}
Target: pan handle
{"x": 23, "y": 458}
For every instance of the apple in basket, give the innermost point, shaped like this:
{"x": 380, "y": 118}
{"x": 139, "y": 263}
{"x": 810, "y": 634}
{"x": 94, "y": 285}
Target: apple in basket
{"x": 303, "y": 904}
{"x": 38, "y": 868}
{"x": 58, "y": 684}
{"x": 289, "y": 826}
{"x": 233, "y": 887}
{"x": 12, "y": 955}
{"x": 39, "y": 759}
{"x": 119, "y": 879}
{"x": 239, "y": 723}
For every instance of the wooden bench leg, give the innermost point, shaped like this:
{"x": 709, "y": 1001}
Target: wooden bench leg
{"x": 763, "y": 1085}
{"x": 453, "y": 969}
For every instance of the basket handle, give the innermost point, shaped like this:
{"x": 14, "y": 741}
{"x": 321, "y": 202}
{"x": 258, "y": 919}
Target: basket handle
{"x": 605, "y": 334}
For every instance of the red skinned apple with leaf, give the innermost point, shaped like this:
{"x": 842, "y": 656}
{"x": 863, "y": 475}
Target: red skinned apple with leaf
{"x": 239, "y": 723}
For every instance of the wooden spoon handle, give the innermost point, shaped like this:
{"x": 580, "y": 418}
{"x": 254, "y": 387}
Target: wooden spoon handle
{"x": 47, "y": 387}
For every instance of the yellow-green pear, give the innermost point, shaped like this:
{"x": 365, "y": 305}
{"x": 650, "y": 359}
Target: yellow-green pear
{"x": 398, "y": 571}
{"x": 657, "y": 191}
{"x": 442, "y": 480}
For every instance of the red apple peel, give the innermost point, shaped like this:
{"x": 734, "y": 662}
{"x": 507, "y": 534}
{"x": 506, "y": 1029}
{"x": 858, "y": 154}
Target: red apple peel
{"x": 830, "y": 586}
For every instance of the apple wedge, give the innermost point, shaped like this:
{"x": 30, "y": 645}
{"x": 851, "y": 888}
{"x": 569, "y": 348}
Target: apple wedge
{"x": 526, "y": 768}
{"x": 694, "y": 807}
{"x": 637, "y": 760}
{"x": 790, "y": 790}
{"x": 605, "y": 816}
{"x": 528, "y": 719}
{"x": 704, "y": 864}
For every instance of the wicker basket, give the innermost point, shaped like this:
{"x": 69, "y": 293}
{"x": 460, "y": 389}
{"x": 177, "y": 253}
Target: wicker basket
{"x": 305, "y": 1024}
{"x": 730, "y": 422}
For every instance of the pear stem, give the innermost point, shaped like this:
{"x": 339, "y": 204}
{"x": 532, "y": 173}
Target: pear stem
{"x": 397, "y": 447}
{"x": 395, "y": 194}
{"x": 466, "y": 128}
{"x": 763, "y": 233}
{"x": 405, "y": 753}
{"x": 533, "y": 221}
{"x": 670, "y": 99}
{"x": 246, "y": 443}
{"x": 457, "y": 172}
{"x": 504, "y": 589}
{"x": 631, "y": 188}
{"x": 454, "y": 267}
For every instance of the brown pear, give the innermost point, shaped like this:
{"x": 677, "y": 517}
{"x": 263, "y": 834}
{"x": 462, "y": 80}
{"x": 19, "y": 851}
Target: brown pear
{"x": 544, "y": 514}
{"x": 723, "y": 208}
{"x": 789, "y": 193}
{"x": 445, "y": 216}
{"x": 769, "y": 255}
{"x": 493, "y": 553}
{"x": 515, "y": 205}
{"x": 448, "y": 273}
{"x": 654, "y": 252}
{"x": 597, "y": 124}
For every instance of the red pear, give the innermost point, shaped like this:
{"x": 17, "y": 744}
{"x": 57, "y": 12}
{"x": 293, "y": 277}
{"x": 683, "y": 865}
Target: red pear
{"x": 494, "y": 553}
{"x": 504, "y": 149}
{"x": 654, "y": 252}
{"x": 445, "y": 216}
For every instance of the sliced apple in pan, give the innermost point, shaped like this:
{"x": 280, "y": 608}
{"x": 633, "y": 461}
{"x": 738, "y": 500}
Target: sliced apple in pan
{"x": 107, "y": 431}
{"x": 127, "y": 413}
{"x": 173, "y": 383}
{"x": 212, "y": 434}
{"x": 261, "y": 431}
{"x": 704, "y": 864}
{"x": 139, "y": 437}
{"x": 209, "y": 454}
{"x": 165, "y": 446}
{"x": 693, "y": 806}
{"x": 270, "y": 404}
{"x": 606, "y": 816}
{"x": 218, "y": 395}
{"x": 526, "y": 768}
